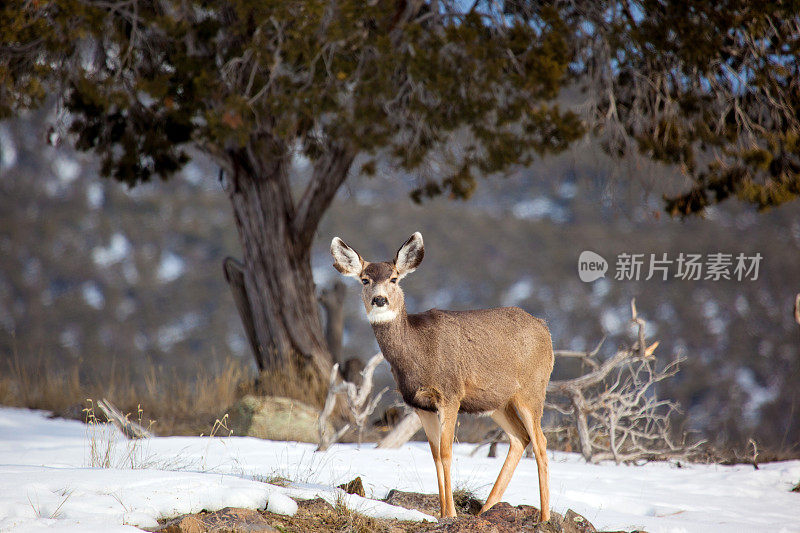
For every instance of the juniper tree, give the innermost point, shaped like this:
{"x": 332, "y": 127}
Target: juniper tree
{"x": 442, "y": 90}
{"x": 712, "y": 87}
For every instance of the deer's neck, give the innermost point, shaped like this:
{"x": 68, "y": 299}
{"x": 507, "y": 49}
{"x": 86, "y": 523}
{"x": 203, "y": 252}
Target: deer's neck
{"x": 395, "y": 338}
{"x": 405, "y": 349}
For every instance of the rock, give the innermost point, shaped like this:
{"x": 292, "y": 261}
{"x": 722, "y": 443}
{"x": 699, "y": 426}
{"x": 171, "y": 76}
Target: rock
{"x": 240, "y": 520}
{"x": 551, "y": 526}
{"x": 426, "y": 503}
{"x": 274, "y": 418}
{"x": 222, "y": 521}
{"x": 504, "y": 513}
{"x": 315, "y": 506}
{"x": 354, "y": 487}
{"x": 575, "y": 523}
{"x": 554, "y": 525}
{"x": 184, "y": 524}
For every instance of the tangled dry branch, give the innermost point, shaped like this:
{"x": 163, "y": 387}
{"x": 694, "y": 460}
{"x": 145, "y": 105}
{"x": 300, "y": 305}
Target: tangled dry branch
{"x": 614, "y": 408}
{"x": 357, "y": 397}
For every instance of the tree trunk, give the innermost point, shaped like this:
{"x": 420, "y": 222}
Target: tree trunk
{"x": 332, "y": 299}
{"x": 234, "y": 275}
{"x": 276, "y": 238}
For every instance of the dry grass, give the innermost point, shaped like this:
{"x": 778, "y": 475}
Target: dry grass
{"x": 296, "y": 381}
{"x": 317, "y": 515}
{"x": 173, "y": 404}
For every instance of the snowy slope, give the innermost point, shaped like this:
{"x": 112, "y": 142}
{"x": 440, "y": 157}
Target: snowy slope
{"x": 45, "y": 483}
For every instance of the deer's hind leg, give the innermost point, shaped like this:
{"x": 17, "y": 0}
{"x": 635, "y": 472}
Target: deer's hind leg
{"x": 532, "y": 420}
{"x": 507, "y": 419}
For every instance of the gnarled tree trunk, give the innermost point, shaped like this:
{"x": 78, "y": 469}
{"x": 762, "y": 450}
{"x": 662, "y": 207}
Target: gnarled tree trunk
{"x": 276, "y": 236}
{"x": 332, "y": 299}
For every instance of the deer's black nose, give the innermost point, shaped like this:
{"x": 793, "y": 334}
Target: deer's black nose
{"x": 380, "y": 301}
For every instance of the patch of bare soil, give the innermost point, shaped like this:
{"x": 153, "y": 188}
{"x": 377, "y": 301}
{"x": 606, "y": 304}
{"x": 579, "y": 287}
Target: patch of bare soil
{"x": 225, "y": 520}
{"x": 319, "y": 516}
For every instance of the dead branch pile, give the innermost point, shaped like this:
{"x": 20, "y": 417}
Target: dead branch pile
{"x": 614, "y": 408}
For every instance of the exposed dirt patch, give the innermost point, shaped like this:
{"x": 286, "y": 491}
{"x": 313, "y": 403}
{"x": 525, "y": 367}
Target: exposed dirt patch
{"x": 319, "y": 516}
{"x": 427, "y": 503}
{"x": 223, "y": 521}
{"x": 466, "y": 503}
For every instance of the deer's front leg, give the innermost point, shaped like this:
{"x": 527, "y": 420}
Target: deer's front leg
{"x": 433, "y": 430}
{"x": 447, "y": 422}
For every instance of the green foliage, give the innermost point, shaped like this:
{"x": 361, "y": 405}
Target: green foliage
{"x": 711, "y": 86}
{"x": 143, "y": 82}
{"x": 443, "y": 90}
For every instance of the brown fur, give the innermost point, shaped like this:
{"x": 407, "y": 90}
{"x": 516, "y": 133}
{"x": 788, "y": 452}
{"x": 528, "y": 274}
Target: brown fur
{"x": 496, "y": 361}
{"x": 478, "y": 358}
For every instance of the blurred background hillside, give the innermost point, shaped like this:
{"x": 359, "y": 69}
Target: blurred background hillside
{"x": 118, "y": 281}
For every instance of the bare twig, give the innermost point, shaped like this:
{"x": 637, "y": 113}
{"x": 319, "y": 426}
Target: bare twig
{"x": 357, "y": 397}
{"x": 128, "y": 427}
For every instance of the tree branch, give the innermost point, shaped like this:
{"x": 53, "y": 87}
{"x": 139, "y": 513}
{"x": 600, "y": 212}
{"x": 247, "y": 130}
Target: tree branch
{"x": 330, "y": 171}
{"x": 357, "y": 396}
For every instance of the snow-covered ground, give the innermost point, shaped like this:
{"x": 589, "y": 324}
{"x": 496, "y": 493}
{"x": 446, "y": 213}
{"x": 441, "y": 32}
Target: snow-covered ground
{"x": 46, "y": 483}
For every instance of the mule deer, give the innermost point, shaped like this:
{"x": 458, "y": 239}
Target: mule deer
{"x": 492, "y": 361}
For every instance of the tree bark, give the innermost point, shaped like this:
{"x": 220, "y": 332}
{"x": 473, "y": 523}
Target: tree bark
{"x": 332, "y": 299}
{"x": 234, "y": 275}
{"x": 276, "y": 241}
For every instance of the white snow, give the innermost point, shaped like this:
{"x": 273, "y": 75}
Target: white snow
{"x": 46, "y": 483}
{"x": 539, "y": 209}
{"x": 281, "y": 504}
{"x": 66, "y": 168}
{"x": 517, "y": 293}
{"x": 170, "y": 268}
{"x": 176, "y": 331}
{"x": 116, "y": 251}
{"x": 95, "y": 195}
{"x": 8, "y": 148}
{"x": 611, "y": 322}
{"x": 93, "y": 295}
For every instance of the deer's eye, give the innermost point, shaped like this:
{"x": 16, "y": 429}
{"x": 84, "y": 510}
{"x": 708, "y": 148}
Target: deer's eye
{"x": 393, "y": 280}
{"x": 365, "y": 281}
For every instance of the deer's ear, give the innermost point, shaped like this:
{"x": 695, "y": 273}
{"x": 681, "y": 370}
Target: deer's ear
{"x": 410, "y": 255}
{"x": 345, "y": 259}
